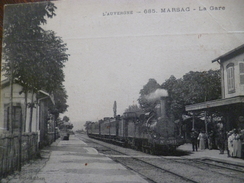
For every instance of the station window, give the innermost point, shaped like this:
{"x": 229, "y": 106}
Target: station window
{"x": 17, "y": 117}
{"x": 241, "y": 68}
{"x": 230, "y": 78}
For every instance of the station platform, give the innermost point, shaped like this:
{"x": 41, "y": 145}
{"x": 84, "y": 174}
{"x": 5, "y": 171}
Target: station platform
{"x": 72, "y": 161}
{"x": 209, "y": 154}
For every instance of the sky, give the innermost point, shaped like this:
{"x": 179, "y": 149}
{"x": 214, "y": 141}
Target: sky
{"x": 116, "y": 46}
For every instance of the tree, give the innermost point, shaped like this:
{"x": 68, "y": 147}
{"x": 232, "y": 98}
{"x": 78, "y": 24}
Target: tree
{"x": 86, "y": 124}
{"x": 33, "y": 56}
{"x": 150, "y": 87}
{"x": 66, "y": 119}
{"x": 175, "y": 101}
{"x": 52, "y": 56}
{"x": 193, "y": 87}
{"x": 60, "y": 98}
{"x": 134, "y": 108}
{"x": 202, "y": 86}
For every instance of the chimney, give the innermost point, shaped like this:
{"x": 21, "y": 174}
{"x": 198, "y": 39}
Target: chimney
{"x": 162, "y": 107}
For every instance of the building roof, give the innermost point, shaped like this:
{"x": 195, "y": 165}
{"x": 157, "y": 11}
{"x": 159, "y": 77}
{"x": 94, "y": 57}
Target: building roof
{"x": 237, "y": 51}
{"x": 215, "y": 103}
{"x": 6, "y": 82}
{"x": 48, "y": 95}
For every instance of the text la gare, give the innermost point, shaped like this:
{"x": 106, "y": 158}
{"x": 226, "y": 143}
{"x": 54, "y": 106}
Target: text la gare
{"x": 212, "y": 8}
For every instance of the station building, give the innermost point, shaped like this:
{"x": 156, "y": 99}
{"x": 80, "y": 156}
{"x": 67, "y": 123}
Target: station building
{"x": 42, "y": 121}
{"x": 231, "y": 105}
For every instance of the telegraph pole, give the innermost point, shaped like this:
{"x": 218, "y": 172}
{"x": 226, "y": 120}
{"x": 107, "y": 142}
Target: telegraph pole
{"x": 11, "y": 98}
{"x": 115, "y": 108}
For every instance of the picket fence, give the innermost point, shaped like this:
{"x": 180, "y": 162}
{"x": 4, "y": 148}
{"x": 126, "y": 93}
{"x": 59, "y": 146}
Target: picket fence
{"x": 9, "y": 151}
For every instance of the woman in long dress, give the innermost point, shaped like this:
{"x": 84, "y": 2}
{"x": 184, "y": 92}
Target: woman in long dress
{"x": 237, "y": 145}
{"x": 202, "y": 138}
{"x": 230, "y": 143}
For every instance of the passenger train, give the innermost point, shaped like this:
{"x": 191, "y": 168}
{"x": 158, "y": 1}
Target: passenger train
{"x": 152, "y": 132}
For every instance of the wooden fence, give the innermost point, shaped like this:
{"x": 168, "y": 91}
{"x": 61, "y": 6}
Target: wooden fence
{"x": 9, "y": 151}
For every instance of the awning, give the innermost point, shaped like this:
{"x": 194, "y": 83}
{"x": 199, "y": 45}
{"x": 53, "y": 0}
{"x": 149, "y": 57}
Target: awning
{"x": 215, "y": 103}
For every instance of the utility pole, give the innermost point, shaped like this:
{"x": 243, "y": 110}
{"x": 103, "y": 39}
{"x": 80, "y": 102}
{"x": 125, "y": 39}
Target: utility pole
{"x": 11, "y": 98}
{"x": 115, "y": 108}
{"x": 20, "y": 145}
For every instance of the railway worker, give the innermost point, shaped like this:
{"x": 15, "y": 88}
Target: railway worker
{"x": 194, "y": 135}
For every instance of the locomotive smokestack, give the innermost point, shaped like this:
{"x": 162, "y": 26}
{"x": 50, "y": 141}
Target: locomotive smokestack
{"x": 163, "y": 107}
{"x": 160, "y": 96}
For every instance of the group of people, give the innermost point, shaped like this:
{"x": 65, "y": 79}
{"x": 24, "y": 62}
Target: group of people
{"x": 231, "y": 141}
{"x": 198, "y": 140}
{"x": 234, "y": 140}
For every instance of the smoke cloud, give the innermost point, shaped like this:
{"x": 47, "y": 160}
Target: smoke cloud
{"x": 157, "y": 94}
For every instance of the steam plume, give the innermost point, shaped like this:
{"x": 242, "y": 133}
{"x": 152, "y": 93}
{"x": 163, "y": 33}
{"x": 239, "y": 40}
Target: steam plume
{"x": 157, "y": 94}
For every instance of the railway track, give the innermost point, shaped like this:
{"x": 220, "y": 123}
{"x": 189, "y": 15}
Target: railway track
{"x": 219, "y": 167}
{"x": 149, "y": 171}
{"x": 159, "y": 169}
{"x": 221, "y": 164}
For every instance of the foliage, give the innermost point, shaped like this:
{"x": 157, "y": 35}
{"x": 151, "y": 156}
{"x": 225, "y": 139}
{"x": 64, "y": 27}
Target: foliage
{"x": 150, "y": 87}
{"x": 86, "y": 124}
{"x": 34, "y": 56}
{"x": 69, "y": 126}
{"x": 66, "y": 119}
{"x": 60, "y": 98}
{"x": 193, "y": 87}
{"x": 134, "y": 108}
{"x": 64, "y": 123}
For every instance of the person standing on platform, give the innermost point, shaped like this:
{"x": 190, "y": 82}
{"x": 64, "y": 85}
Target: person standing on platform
{"x": 236, "y": 145}
{"x": 202, "y": 138}
{"x": 230, "y": 143}
{"x": 234, "y": 142}
{"x": 210, "y": 140}
{"x": 194, "y": 136}
{"x": 221, "y": 141}
{"x": 239, "y": 144}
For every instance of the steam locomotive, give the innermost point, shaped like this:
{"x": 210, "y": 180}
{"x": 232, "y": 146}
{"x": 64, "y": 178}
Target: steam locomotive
{"x": 151, "y": 132}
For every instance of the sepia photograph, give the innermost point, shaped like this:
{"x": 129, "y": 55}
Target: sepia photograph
{"x": 122, "y": 91}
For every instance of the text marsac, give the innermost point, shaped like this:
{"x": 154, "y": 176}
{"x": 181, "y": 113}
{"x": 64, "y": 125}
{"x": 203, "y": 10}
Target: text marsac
{"x": 169, "y": 10}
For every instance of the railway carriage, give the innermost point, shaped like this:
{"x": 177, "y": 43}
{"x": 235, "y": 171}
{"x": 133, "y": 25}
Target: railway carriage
{"x": 113, "y": 129}
{"x": 93, "y": 129}
{"x": 105, "y": 128}
{"x": 121, "y": 136}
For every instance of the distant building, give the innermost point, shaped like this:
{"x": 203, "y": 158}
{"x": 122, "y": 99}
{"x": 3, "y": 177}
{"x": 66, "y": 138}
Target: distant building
{"x": 231, "y": 106}
{"x": 42, "y": 120}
